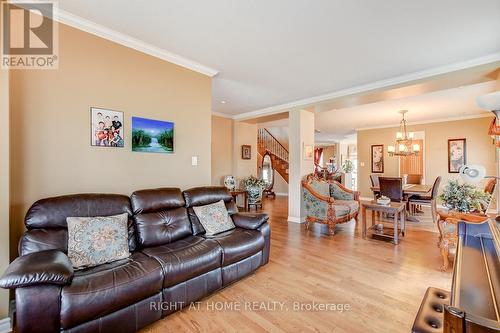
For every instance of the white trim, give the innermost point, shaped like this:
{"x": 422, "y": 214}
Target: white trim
{"x": 5, "y": 325}
{"x": 281, "y": 194}
{"x": 440, "y": 120}
{"x": 223, "y": 115}
{"x": 372, "y": 86}
{"x": 296, "y": 219}
{"x": 131, "y": 42}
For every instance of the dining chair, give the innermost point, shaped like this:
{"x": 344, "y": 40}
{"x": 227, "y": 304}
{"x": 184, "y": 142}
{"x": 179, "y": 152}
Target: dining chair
{"x": 392, "y": 188}
{"x": 429, "y": 200}
{"x": 375, "y": 183}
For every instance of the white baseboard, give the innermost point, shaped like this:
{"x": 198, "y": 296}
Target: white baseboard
{"x": 296, "y": 219}
{"x": 5, "y": 325}
{"x": 282, "y": 194}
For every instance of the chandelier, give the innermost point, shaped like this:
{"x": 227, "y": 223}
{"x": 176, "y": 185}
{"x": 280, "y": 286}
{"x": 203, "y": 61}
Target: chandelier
{"x": 404, "y": 141}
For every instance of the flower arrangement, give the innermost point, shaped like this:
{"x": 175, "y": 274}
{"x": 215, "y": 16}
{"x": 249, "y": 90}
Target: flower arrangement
{"x": 253, "y": 181}
{"x": 464, "y": 198}
{"x": 347, "y": 167}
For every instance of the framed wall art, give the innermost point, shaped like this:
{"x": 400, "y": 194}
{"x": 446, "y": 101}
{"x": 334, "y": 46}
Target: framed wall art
{"x": 152, "y": 136}
{"x": 246, "y": 152}
{"x": 106, "y": 128}
{"x": 457, "y": 154}
{"x": 377, "y": 158}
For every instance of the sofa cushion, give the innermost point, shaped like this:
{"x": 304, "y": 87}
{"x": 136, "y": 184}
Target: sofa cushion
{"x": 100, "y": 290}
{"x": 160, "y": 216}
{"x": 238, "y": 244}
{"x": 200, "y": 196}
{"x": 95, "y": 241}
{"x": 46, "y": 219}
{"x": 186, "y": 258}
{"x": 214, "y": 218}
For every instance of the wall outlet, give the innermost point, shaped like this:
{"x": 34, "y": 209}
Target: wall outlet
{"x": 194, "y": 160}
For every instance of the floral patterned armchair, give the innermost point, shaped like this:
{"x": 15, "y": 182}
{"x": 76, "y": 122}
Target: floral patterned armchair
{"x": 328, "y": 202}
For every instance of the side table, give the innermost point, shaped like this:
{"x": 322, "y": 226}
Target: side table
{"x": 244, "y": 193}
{"x": 398, "y": 209}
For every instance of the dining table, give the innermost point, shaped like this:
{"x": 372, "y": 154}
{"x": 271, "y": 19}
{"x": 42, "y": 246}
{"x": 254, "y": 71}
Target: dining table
{"x": 408, "y": 190}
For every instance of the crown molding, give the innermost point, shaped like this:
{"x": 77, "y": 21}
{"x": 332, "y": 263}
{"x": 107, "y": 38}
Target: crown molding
{"x": 423, "y": 122}
{"x": 223, "y": 115}
{"x": 131, "y": 42}
{"x": 372, "y": 86}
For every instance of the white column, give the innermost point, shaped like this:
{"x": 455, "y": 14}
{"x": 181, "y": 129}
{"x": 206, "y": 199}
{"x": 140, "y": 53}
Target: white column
{"x": 4, "y": 191}
{"x": 301, "y": 132}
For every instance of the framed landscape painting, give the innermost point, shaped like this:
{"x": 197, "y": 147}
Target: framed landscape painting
{"x": 106, "y": 128}
{"x": 152, "y": 136}
{"x": 377, "y": 158}
{"x": 457, "y": 154}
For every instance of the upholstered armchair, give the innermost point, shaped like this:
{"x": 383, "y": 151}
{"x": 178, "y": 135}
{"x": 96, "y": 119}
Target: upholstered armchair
{"x": 328, "y": 202}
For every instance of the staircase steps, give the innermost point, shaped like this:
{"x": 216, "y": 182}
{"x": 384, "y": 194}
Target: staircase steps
{"x": 268, "y": 144}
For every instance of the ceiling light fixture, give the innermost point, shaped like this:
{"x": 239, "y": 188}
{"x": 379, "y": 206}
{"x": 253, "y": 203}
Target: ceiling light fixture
{"x": 223, "y": 102}
{"x": 404, "y": 141}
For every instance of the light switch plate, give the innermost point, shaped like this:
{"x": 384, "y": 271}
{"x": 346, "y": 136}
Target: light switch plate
{"x": 362, "y": 164}
{"x": 194, "y": 160}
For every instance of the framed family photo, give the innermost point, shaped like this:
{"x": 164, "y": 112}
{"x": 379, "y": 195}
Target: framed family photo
{"x": 106, "y": 128}
{"x": 457, "y": 154}
{"x": 377, "y": 158}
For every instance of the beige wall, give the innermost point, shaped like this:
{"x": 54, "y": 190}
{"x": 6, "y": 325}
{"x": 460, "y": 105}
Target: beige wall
{"x": 222, "y": 149}
{"x": 50, "y": 143}
{"x": 480, "y": 149}
{"x": 244, "y": 134}
{"x": 4, "y": 185}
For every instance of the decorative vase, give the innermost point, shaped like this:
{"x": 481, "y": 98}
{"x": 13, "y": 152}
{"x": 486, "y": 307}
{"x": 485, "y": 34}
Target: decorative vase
{"x": 254, "y": 194}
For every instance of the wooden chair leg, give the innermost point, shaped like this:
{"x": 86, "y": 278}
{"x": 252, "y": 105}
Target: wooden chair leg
{"x": 444, "y": 249}
{"x": 331, "y": 228}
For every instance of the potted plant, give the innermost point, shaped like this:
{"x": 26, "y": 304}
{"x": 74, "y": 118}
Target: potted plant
{"x": 347, "y": 168}
{"x": 254, "y": 186}
{"x": 464, "y": 198}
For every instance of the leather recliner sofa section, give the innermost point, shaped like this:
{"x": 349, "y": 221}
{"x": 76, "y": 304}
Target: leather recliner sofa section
{"x": 171, "y": 264}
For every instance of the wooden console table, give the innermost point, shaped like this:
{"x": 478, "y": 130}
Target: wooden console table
{"x": 447, "y": 239}
{"x": 398, "y": 209}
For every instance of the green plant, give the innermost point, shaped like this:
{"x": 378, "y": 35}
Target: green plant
{"x": 347, "y": 167}
{"x": 464, "y": 198}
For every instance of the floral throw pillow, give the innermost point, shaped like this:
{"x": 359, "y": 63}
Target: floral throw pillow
{"x": 214, "y": 218}
{"x": 94, "y": 241}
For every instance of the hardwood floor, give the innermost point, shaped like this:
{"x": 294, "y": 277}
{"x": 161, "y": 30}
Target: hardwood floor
{"x": 383, "y": 284}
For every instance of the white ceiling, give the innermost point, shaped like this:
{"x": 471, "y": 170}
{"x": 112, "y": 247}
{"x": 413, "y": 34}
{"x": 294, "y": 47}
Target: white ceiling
{"x": 272, "y": 52}
{"x": 440, "y": 105}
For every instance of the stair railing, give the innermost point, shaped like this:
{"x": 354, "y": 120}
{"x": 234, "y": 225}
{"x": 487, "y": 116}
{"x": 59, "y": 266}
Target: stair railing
{"x": 271, "y": 144}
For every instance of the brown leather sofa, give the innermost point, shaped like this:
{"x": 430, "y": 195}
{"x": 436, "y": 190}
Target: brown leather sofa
{"x": 172, "y": 263}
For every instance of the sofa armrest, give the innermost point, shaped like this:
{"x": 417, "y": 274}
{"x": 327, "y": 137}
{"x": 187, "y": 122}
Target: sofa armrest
{"x": 249, "y": 220}
{"x": 44, "y": 267}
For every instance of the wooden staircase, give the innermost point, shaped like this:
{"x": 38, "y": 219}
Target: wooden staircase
{"x": 267, "y": 143}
